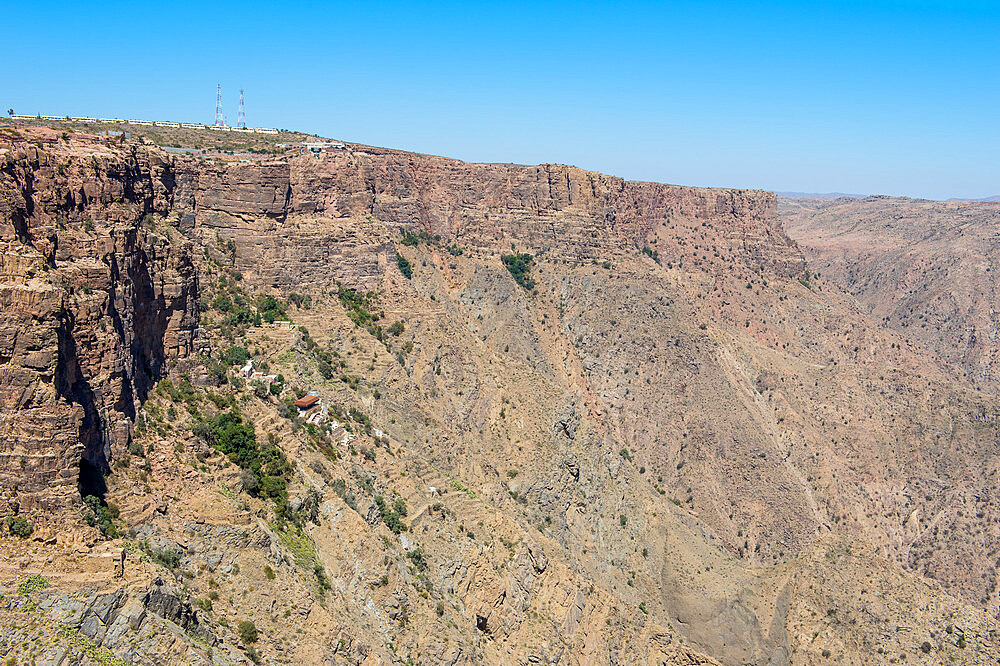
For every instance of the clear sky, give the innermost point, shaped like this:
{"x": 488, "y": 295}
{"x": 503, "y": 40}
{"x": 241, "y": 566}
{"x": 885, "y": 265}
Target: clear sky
{"x": 862, "y": 97}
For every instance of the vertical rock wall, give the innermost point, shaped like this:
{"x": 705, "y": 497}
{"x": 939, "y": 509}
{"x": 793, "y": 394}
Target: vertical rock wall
{"x": 96, "y": 296}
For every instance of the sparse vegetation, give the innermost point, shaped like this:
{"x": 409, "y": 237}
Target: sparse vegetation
{"x": 20, "y": 526}
{"x": 519, "y": 265}
{"x": 31, "y": 584}
{"x": 266, "y": 469}
{"x": 405, "y": 267}
{"x": 392, "y": 516}
{"x": 101, "y": 515}
{"x": 247, "y": 631}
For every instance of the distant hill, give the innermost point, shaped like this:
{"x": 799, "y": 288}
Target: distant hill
{"x": 815, "y": 195}
{"x": 995, "y": 197}
{"x": 922, "y": 268}
{"x": 832, "y": 196}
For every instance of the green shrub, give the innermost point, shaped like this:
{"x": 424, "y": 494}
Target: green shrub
{"x": 20, "y": 526}
{"x": 416, "y": 556}
{"x": 236, "y": 355}
{"x": 404, "y": 266}
{"x": 340, "y": 488}
{"x": 166, "y": 557}
{"x": 357, "y": 306}
{"x": 300, "y": 300}
{"x": 519, "y": 265}
{"x": 247, "y": 631}
{"x": 321, "y": 577}
{"x": 101, "y": 515}
{"x": 267, "y": 469}
{"x": 268, "y": 572}
{"x": 271, "y": 309}
{"x": 391, "y": 516}
{"x": 32, "y": 584}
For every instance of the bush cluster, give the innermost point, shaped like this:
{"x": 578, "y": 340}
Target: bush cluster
{"x": 102, "y": 515}
{"x": 392, "y": 516}
{"x": 404, "y": 265}
{"x": 247, "y": 631}
{"x": 266, "y": 469}
{"x": 519, "y": 265}
{"x": 20, "y": 526}
{"x": 357, "y": 306}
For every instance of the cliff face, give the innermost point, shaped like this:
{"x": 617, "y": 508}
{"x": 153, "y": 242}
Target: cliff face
{"x": 99, "y": 291}
{"x": 308, "y": 222}
{"x": 642, "y": 454}
{"x": 562, "y": 210}
{"x": 92, "y": 305}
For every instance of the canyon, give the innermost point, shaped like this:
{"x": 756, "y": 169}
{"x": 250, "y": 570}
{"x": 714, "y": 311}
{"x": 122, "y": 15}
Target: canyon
{"x": 578, "y": 419}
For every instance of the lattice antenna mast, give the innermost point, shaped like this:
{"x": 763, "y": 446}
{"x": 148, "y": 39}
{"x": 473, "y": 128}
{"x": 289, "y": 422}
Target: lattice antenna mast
{"x": 219, "y": 122}
{"x": 241, "y": 117}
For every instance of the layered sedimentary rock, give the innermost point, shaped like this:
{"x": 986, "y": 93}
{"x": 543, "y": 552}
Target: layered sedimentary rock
{"x": 94, "y": 300}
{"x": 99, "y": 291}
{"x": 641, "y": 454}
{"x": 564, "y": 210}
{"x": 315, "y": 218}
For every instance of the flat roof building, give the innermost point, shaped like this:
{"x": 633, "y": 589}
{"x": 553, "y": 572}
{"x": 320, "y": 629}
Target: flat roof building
{"x": 306, "y": 401}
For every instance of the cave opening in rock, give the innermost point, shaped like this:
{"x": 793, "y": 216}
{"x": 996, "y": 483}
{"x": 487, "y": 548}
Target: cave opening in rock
{"x": 91, "y": 480}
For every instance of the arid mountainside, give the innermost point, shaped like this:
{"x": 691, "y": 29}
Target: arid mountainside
{"x": 564, "y": 418}
{"x": 926, "y": 269}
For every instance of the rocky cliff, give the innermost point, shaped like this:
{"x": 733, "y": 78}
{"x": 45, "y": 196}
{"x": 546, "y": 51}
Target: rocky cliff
{"x": 308, "y": 222}
{"x": 660, "y": 439}
{"x": 97, "y": 296}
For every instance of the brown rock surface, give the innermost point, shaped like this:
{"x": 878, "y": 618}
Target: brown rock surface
{"x": 669, "y": 450}
{"x": 93, "y": 303}
{"x": 923, "y": 268}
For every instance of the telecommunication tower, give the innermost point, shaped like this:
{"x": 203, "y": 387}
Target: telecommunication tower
{"x": 219, "y": 122}
{"x": 241, "y": 118}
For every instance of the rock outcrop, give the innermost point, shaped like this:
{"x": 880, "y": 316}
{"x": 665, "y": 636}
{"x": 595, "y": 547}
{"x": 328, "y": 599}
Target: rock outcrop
{"x": 96, "y": 296}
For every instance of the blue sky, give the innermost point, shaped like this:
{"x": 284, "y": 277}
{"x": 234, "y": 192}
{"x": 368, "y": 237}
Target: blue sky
{"x": 867, "y": 97}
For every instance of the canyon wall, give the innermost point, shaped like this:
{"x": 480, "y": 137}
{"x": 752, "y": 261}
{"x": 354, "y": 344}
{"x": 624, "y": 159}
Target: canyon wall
{"x": 95, "y": 299}
{"x": 99, "y": 285}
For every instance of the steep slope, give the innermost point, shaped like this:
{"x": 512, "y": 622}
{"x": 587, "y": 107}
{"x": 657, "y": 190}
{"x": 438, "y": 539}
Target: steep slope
{"x": 923, "y": 268}
{"x": 660, "y": 441}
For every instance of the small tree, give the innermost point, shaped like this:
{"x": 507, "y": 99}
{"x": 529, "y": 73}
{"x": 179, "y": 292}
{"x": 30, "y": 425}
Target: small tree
{"x": 20, "y": 526}
{"x": 519, "y": 266}
{"x": 404, "y": 266}
{"x": 247, "y": 631}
